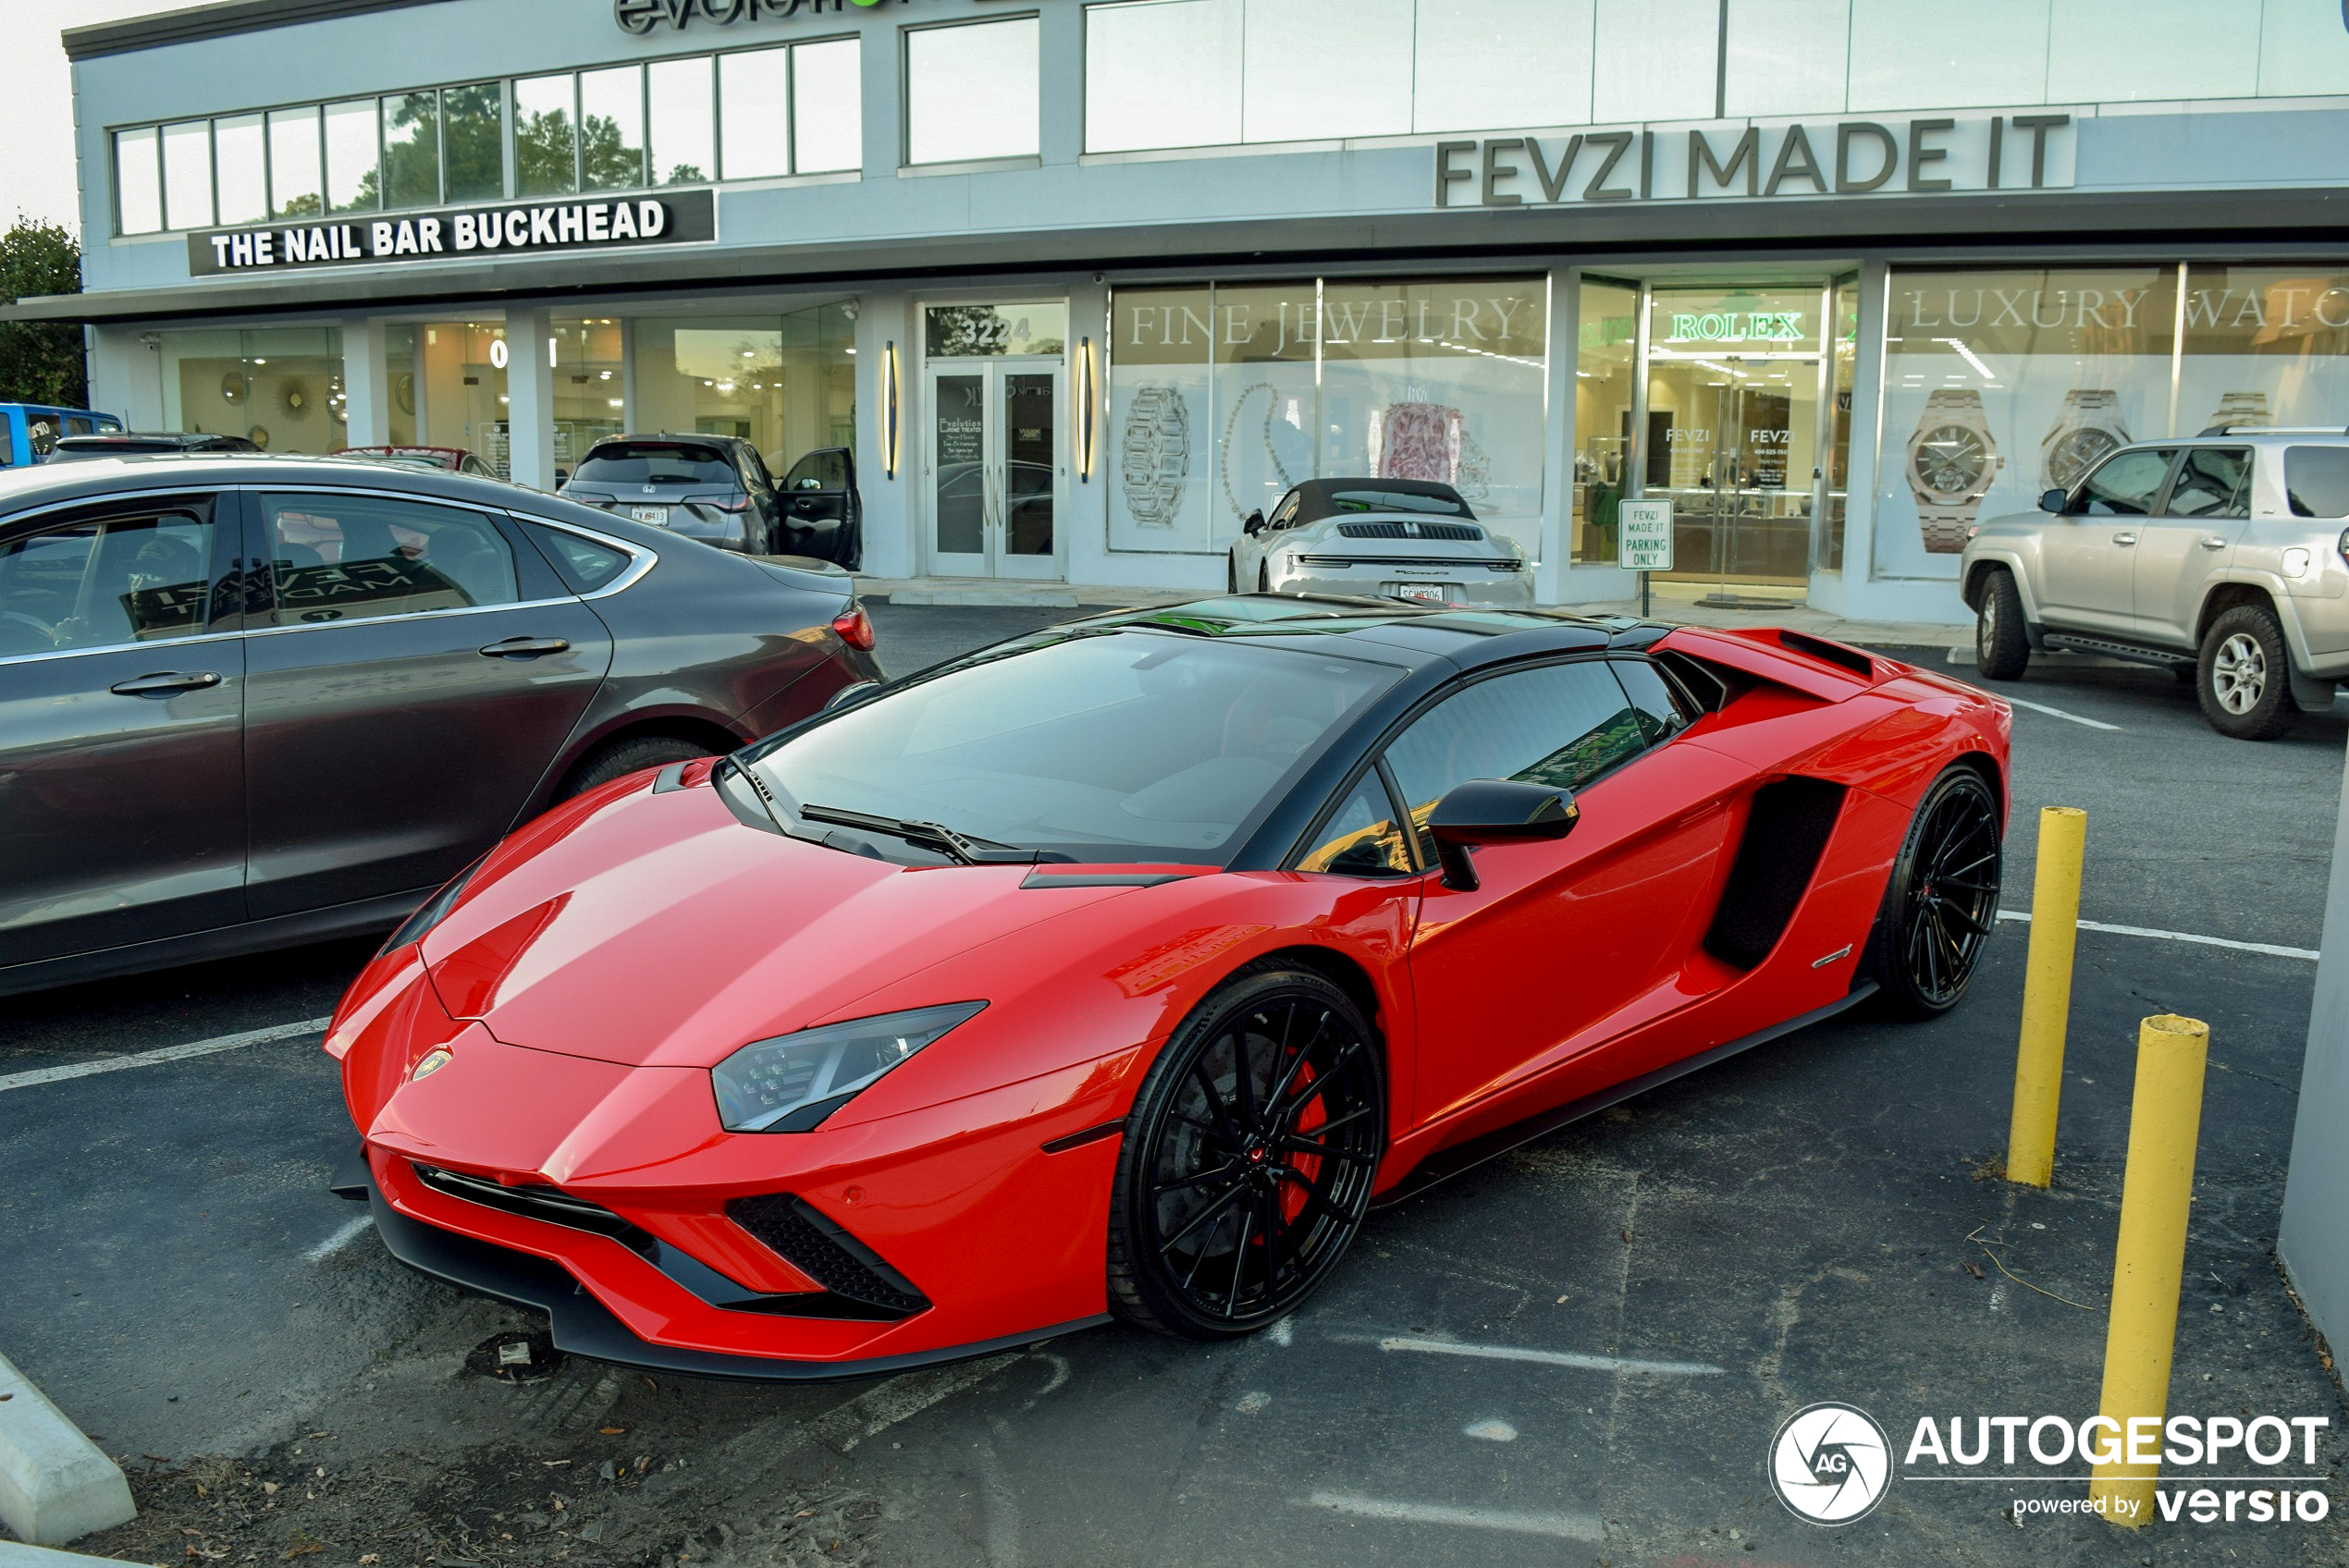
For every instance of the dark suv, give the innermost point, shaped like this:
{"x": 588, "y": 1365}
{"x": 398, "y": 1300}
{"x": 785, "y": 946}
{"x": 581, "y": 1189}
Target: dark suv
{"x": 714, "y": 488}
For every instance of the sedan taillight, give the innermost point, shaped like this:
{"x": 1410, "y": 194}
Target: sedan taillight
{"x": 854, "y": 627}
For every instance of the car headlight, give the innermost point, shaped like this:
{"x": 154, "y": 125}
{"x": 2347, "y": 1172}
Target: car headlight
{"x": 431, "y": 912}
{"x": 791, "y": 1083}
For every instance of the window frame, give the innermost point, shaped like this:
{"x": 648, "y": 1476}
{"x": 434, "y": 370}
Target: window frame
{"x": 227, "y": 547}
{"x": 905, "y": 89}
{"x": 2156, "y": 498}
{"x": 2177, "y": 470}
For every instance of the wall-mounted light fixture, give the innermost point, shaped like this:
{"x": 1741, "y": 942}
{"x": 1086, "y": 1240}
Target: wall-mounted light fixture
{"x": 1088, "y": 402}
{"x": 890, "y": 417}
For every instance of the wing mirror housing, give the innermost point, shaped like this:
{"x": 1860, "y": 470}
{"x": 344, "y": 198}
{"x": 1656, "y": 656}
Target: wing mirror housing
{"x": 1485, "y": 811}
{"x": 1255, "y": 523}
{"x": 2052, "y": 501}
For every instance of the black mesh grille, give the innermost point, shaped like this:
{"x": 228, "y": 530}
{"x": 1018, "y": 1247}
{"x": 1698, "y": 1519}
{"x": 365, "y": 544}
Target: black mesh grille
{"x": 1452, "y": 530}
{"x": 812, "y": 1243}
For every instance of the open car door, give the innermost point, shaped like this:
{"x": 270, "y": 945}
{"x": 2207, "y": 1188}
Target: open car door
{"x": 823, "y": 516}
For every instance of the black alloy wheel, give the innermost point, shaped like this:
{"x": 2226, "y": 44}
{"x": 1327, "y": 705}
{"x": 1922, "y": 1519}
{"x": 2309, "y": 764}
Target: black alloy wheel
{"x": 1248, "y": 1158}
{"x": 1942, "y": 900}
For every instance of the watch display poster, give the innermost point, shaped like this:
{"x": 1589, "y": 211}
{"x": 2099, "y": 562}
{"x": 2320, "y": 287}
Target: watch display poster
{"x": 1223, "y": 398}
{"x": 2000, "y": 384}
{"x": 2264, "y": 346}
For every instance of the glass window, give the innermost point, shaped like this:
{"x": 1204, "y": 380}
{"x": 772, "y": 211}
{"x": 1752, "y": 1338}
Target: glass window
{"x": 1162, "y": 73}
{"x": 1481, "y": 63}
{"x": 1361, "y": 838}
{"x": 828, "y": 113}
{"x": 95, "y": 585}
{"x": 335, "y": 558}
{"x": 1605, "y": 340}
{"x": 242, "y": 169}
{"x": 2001, "y": 384}
{"x": 2316, "y": 479}
{"x": 473, "y": 142}
{"x": 2153, "y": 49}
{"x": 827, "y": 470}
{"x": 1788, "y": 57}
{"x": 656, "y": 462}
{"x": 754, "y": 114}
{"x": 2264, "y": 346}
{"x": 187, "y": 174}
{"x": 589, "y": 370}
{"x": 354, "y": 182}
{"x": 1655, "y": 60}
{"x": 971, "y": 92}
{"x": 1658, "y": 708}
{"x": 583, "y": 565}
{"x": 2124, "y": 485}
{"x": 277, "y": 387}
{"x": 2212, "y": 481}
{"x": 458, "y": 389}
{"x": 545, "y": 137}
{"x": 785, "y": 384}
{"x": 1904, "y": 56}
{"x": 1124, "y": 745}
{"x": 960, "y": 331}
{"x": 1844, "y": 353}
{"x": 295, "y": 182}
{"x": 412, "y": 150}
{"x": 611, "y": 128}
{"x": 138, "y": 181}
{"x": 1322, "y": 69}
{"x": 684, "y": 122}
{"x": 1561, "y": 723}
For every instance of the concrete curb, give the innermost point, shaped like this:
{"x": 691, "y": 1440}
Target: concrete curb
{"x": 55, "y": 1484}
{"x": 15, "y": 1556}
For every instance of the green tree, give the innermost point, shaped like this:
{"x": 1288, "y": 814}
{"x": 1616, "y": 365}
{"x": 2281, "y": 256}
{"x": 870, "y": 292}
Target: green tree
{"x": 41, "y": 361}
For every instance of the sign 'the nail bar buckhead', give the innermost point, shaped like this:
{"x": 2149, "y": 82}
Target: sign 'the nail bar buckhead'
{"x": 471, "y": 233}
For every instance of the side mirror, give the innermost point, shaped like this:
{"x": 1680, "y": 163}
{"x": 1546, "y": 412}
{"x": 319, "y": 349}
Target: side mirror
{"x": 1254, "y": 525}
{"x": 1485, "y": 810}
{"x": 2052, "y": 501}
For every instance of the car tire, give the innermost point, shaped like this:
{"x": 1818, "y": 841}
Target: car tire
{"x": 2001, "y": 648}
{"x": 618, "y": 759}
{"x": 2243, "y": 678}
{"x": 1208, "y": 1166}
{"x": 1941, "y": 900}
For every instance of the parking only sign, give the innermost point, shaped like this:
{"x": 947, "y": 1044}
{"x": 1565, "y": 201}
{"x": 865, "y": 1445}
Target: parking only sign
{"x": 1644, "y": 539}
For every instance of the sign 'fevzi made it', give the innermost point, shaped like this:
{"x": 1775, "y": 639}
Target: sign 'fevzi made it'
{"x": 476, "y": 233}
{"x": 1855, "y": 158}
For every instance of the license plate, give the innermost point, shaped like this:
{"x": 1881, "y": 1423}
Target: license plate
{"x": 1427, "y": 592}
{"x": 656, "y": 516}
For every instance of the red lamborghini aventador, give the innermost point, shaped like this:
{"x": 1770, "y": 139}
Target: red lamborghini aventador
{"x": 1119, "y": 968}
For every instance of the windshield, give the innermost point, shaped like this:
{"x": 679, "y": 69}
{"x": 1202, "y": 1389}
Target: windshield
{"x": 1120, "y": 746}
{"x": 656, "y": 462}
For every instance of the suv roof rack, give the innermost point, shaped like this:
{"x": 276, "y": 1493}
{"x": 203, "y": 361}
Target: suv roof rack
{"x": 2272, "y": 430}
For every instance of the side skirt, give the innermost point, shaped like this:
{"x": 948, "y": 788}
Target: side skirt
{"x": 1447, "y": 1163}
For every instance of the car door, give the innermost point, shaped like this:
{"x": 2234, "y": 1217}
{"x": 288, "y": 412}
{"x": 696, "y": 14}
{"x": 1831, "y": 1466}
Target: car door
{"x": 1534, "y": 964}
{"x": 415, "y": 671}
{"x": 822, "y": 510}
{"x": 122, "y": 689}
{"x": 2087, "y": 564}
{"x": 2189, "y": 539}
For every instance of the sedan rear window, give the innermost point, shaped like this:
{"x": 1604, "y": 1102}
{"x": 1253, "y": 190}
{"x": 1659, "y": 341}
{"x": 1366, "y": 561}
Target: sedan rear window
{"x": 2316, "y": 478}
{"x": 657, "y": 462}
{"x": 1121, "y": 746}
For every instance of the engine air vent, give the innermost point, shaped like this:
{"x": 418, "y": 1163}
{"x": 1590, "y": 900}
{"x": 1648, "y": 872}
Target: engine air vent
{"x": 1786, "y": 831}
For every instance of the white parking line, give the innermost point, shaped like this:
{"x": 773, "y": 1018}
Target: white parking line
{"x": 1562, "y": 1527}
{"x": 1575, "y": 1359}
{"x": 168, "y": 1053}
{"x": 344, "y": 1235}
{"x": 2268, "y": 947}
{"x": 877, "y": 1410}
{"x": 2058, "y": 713}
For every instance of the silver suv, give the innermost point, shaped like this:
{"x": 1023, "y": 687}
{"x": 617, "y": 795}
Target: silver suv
{"x": 2224, "y": 558}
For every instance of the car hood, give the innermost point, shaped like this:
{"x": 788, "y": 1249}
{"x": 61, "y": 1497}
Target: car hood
{"x": 658, "y": 930}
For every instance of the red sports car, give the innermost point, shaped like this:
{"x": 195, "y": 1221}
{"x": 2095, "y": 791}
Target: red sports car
{"x": 1121, "y": 968}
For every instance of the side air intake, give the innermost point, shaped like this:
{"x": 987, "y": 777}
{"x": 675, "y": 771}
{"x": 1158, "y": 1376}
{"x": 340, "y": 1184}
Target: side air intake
{"x": 812, "y": 1243}
{"x": 1785, "y": 834}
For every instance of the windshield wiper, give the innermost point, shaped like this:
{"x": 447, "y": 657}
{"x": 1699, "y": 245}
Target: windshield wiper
{"x": 960, "y": 848}
{"x": 757, "y": 787}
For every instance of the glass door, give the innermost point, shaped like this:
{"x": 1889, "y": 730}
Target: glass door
{"x": 997, "y": 468}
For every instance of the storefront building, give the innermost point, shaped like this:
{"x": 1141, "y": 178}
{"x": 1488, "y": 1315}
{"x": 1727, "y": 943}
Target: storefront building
{"x": 1081, "y": 286}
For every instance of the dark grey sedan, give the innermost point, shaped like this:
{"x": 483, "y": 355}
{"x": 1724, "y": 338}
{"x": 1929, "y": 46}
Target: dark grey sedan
{"x": 251, "y": 701}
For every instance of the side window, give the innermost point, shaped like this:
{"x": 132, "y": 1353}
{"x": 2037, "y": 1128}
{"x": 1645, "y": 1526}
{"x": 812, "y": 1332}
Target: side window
{"x": 1562, "y": 724}
{"x": 99, "y": 583}
{"x": 827, "y": 470}
{"x": 1658, "y": 708}
{"x": 2124, "y": 485}
{"x": 2212, "y": 481}
{"x": 40, "y": 435}
{"x": 583, "y": 565}
{"x": 1286, "y": 513}
{"x": 1361, "y": 838}
{"x": 364, "y": 557}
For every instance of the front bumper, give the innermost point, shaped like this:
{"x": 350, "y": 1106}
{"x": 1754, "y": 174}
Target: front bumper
{"x": 579, "y": 1325}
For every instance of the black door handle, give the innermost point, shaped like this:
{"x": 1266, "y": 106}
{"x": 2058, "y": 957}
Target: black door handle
{"x": 165, "y": 683}
{"x": 525, "y": 648}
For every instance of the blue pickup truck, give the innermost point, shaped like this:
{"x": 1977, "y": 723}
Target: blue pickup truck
{"x": 29, "y": 430}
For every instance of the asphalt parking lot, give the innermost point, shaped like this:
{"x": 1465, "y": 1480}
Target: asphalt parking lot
{"x": 1575, "y": 1354}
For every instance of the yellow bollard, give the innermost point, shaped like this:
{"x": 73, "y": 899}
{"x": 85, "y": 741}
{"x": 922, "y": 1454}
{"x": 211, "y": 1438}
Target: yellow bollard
{"x": 2165, "y": 1118}
{"x": 2047, "y": 996}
